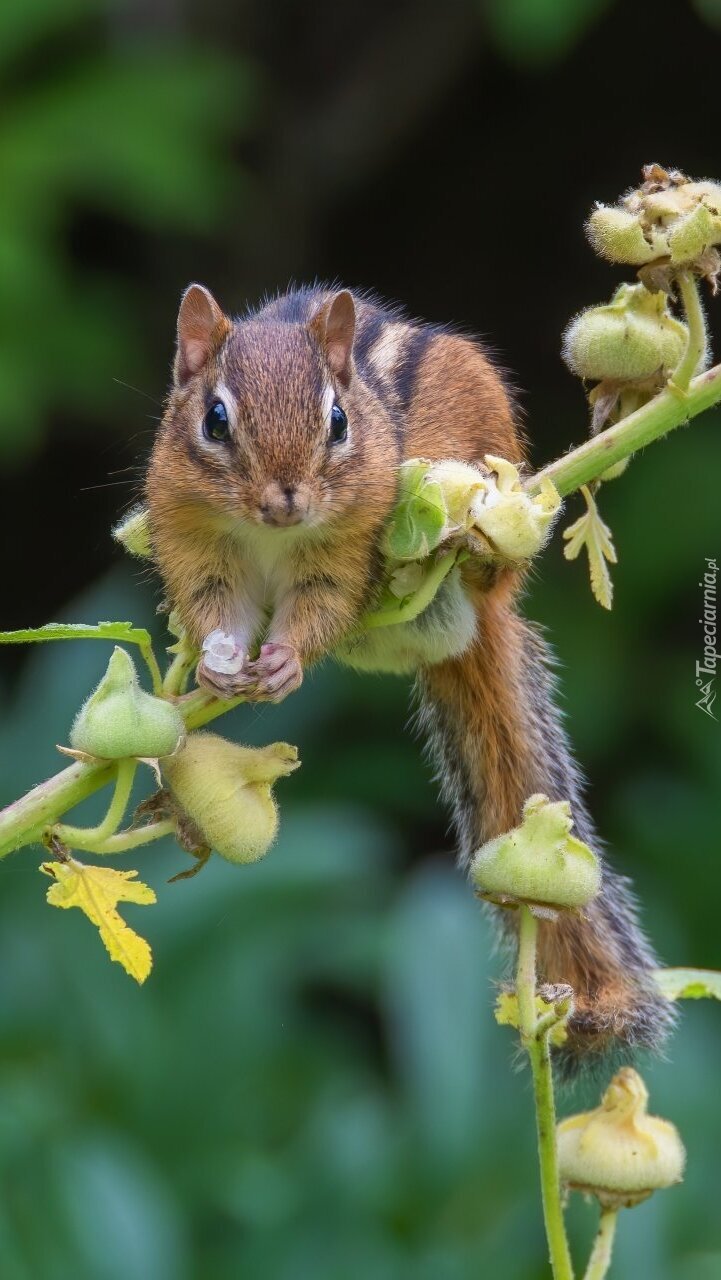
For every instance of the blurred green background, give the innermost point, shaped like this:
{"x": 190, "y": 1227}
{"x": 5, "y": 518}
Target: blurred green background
{"x": 311, "y": 1085}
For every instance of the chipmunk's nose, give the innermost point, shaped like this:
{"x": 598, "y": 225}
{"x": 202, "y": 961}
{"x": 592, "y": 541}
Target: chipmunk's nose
{"x": 283, "y": 504}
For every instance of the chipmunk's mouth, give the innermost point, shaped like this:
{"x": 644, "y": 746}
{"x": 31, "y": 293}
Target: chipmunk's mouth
{"x": 281, "y": 520}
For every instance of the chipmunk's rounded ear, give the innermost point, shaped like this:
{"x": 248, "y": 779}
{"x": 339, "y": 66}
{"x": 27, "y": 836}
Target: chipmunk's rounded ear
{"x": 201, "y": 329}
{"x": 334, "y": 326}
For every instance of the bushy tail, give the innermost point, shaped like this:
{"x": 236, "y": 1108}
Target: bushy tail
{"x": 496, "y": 736}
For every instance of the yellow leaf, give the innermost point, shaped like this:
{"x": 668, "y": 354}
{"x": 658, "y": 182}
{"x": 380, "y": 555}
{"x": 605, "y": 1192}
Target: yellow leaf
{"x": 97, "y": 891}
{"x": 507, "y": 1015}
{"x": 589, "y": 531}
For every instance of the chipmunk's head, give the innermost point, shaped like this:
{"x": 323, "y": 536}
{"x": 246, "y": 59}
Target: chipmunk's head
{"x": 262, "y": 422}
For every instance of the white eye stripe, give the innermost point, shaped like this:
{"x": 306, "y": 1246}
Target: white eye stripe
{"x": 327, "y": 402}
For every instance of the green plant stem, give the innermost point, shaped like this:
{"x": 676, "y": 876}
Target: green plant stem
{"x": 526, "y": 974}
{"x": 86, "y": 838}
{"x": 24, "y": 821}
{"x": 122, "y": 841}
{"x": 536, "y": 1044}
{"x": 667, "y": 410}
{"x": 176, "y": 677}
{"x": 600, "y": 1259}
{"x": 152, "y": 664}
{"x": 420, "y": 599}
{"x": 696, "y": 321}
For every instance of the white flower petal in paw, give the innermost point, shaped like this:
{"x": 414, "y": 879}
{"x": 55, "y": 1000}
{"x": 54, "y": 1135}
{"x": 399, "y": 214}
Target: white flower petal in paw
{"x": 223, "y": 653}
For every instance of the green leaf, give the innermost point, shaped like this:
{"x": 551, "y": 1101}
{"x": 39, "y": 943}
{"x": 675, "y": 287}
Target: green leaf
{"x": 689, "y": 984}
{"x": 78, "y": 631}
{"x": 420, "y": 514}
{"x": 507, "y": 1014}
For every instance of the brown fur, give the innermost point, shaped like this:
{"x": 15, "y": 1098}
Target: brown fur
{"x": 497, "y": 741}
{"x": 274, "y": 372}
{"x": 409, "y": 391}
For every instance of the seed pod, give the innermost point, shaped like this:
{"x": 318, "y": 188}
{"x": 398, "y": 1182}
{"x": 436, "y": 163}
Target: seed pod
{"x": 120, "y": 719}
{"x": 539, "y": 862}
{"x": 459, "y": 483}
{"x": 667, "y": 217}
{"x": 618, "y": 1153}
{"x": 630, "y": 338}
{"x": 226, "y": 791}
{"x": 515, "y": 523}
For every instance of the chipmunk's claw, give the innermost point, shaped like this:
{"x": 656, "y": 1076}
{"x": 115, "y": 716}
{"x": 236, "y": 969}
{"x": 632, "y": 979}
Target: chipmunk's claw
{"x": 276, "y": 672}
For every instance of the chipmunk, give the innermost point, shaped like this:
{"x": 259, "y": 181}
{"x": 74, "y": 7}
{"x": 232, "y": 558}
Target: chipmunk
{"x": 272, "y": 478}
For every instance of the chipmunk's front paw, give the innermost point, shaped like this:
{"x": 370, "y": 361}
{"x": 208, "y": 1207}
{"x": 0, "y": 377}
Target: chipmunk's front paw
{"x": 275, "y": 673}
{"x": 224, "y": 684}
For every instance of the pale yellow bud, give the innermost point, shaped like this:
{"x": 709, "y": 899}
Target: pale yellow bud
{"x": 443, "y": 500}
{"x": 120, "y": 719}
{"x": 539, "y": 862}
{"x": 133, "y": 532}
{"x": 514, "y": 523}
{"x": 226, "y": 790}
{"x": 618, "y": 1152}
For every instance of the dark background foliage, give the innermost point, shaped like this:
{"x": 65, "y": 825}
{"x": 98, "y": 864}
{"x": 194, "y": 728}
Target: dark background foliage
{"x": 311, "y": 1083}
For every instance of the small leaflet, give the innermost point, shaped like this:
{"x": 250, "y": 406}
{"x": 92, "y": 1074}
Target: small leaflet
{"x": 589, "y": 531}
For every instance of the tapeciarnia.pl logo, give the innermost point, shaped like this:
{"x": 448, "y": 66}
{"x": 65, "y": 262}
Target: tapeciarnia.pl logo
{"x": 706, "y": 670}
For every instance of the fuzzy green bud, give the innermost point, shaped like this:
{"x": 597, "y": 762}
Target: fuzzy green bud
{"x": 618, "y": 236}
{"x": 226, "y": 791}
{"x": 618, "y": 1152}
{"x": 539, "y": 862}
{"x": 691, "y": 234}
{"x": 120, "y": 719}
{"x": 133, "y": 533}
{"x": 632, "y": 337}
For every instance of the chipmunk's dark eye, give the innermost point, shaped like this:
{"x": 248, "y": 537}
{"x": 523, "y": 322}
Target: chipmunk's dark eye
{"x": 215, "y": 423}
{"x": 338, "y": 431}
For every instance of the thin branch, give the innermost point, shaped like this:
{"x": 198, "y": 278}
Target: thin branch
{"x": 23, "y": 821}
{"x": 600, "y": 1260}
{"x": 696, "y": 321}
{"x": 667, "y": 410}
{"x": 540, "y": 1057}
{"x": 122, "y": 841}
{"x": 86, "y": 838}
